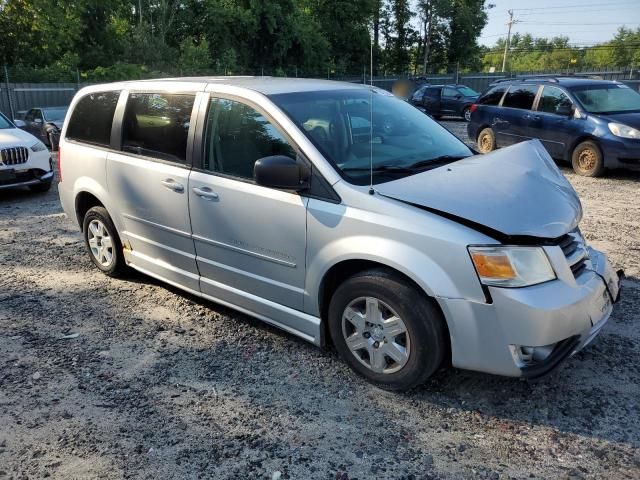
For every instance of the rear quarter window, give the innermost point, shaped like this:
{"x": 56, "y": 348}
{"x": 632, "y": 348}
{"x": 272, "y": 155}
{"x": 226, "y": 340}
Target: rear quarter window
{"x": 520, "y": 96}
{"x": 493, "y": 95}
{"x": 92, "y": 117}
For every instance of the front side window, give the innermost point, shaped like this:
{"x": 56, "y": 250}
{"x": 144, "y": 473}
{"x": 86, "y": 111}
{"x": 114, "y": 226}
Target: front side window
{"x": 607, "y": 98}
{"x": 520, "y": 96}
{"x": 492, "y": 96}
{"x": 356, "y": 129}
{"x": 237, "y": 136}
{"x": 92, "y": 117}
{"x": 552, "y": 99}
{"x": 157, "y": 125}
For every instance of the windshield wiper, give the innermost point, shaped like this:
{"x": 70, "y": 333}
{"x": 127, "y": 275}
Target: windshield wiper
{"x": 436, "y": 162}
{"x": 379, "y": 168}
{"x": 422, "y": 165}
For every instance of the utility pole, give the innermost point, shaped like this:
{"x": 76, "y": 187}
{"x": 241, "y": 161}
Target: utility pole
{"x": 506, "y": 47}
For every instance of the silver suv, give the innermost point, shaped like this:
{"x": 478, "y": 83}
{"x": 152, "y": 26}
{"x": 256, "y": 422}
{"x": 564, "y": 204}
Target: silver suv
{"x": 340, "y": 214}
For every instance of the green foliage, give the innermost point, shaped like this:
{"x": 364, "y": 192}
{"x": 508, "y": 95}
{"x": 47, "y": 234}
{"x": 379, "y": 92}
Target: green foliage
{"x": 101, "y": 40}
{"x": 527, "y": 53}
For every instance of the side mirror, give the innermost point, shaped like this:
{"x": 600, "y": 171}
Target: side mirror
{"x": 458, "y": 97}
{"x": 565, "y": 110}
{"x": 38, "y": 121}
{"x": 19, "y": 123}
{"x": 279, "y": 171}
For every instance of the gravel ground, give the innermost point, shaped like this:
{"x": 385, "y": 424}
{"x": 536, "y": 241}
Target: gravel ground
{"x": 103, "y": 378}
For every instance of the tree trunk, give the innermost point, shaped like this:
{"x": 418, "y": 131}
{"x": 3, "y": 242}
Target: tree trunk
{"x": 428, "y": 25}
{"x": 376, "y": 35}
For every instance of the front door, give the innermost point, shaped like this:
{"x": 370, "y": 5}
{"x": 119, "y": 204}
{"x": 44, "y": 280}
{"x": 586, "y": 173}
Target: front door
{"x": 149, "y": 180}
{"x": 250, "y": 240}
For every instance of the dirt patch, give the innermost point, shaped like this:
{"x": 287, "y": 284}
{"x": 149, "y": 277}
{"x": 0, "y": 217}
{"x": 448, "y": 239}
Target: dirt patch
{"x": 103, "y": 378}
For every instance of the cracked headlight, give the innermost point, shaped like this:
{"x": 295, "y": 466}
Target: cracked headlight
{"x": 511, "y": 266}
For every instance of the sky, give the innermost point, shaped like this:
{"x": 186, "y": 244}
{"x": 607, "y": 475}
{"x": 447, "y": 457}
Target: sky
{"x": 585, "y": 22}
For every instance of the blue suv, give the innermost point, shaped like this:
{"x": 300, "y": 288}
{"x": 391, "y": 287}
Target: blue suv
{"x": 594, "y": 124}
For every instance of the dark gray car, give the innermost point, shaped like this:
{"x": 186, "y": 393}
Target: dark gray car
{"x": 439, "y": 100}
{"x": 45, "y": 124}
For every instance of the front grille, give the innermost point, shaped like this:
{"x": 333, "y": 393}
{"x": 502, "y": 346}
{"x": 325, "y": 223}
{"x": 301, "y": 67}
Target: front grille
{"x": 14, "y": 156}
{"x": 575, "y": 251}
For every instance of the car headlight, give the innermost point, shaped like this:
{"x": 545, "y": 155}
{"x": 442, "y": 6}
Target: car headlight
{"x": 38, "y": 146}
{"x": 511, "y": 266}
{"x": 624, "y": 131}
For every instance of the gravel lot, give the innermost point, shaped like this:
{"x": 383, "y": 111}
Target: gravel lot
{"x": 103, "y": 378}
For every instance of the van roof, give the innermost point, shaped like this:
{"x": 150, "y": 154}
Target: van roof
{"x": 264, "y": 85}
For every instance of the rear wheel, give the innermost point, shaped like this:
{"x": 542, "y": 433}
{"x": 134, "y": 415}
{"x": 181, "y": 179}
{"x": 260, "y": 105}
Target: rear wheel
{"x": 486, "y": 141}
{"x": 102, "y": 242}
{"x": 386, "y": 330}
{"x": 466, "y": 113}
{"x": 587, "y": 159}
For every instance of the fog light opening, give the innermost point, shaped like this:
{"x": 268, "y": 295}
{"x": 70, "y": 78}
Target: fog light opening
{"x": 525, "y": 355}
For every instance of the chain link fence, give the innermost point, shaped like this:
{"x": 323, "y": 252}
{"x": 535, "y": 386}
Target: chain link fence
{"x": 23, "y": 88}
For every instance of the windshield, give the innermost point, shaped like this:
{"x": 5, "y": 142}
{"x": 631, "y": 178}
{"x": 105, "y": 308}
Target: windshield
{"x": 400, "y": 141}
{"x": 54, "y": 114}
{"x": 5, "y": 123}
{"x": 608, "y": 98}
{"x": 468, "y": 92}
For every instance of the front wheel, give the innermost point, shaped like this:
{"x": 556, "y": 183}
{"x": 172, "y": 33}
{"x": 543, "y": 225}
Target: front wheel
{"x": 386, "y": 330}
{"x": 587, "y": 160}
{"x": 102, "y": 242}
{"x": 486, "y": 141}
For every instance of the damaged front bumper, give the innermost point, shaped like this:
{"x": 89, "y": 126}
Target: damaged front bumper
{"x": 527, "y": 332}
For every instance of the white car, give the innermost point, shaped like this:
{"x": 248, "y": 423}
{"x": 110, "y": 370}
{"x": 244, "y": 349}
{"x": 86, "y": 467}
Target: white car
{"x": 24, "y": 160}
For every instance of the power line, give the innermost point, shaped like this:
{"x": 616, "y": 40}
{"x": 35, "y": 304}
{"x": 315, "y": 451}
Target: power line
{"x": 582, "y": 10}
{"x": 622, "y": 24}
{"x": 582, "y": 5}
{"x": 551, "y": 48}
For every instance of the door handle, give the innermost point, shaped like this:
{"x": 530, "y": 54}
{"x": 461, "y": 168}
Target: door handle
{"x": 206, "y": 193}
{"x": 171, "y": 184}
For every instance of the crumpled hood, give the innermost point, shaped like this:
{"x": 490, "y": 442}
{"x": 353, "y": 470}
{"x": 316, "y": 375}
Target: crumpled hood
{"x": 14, "y": 137}
{"x": 515, "y": 191}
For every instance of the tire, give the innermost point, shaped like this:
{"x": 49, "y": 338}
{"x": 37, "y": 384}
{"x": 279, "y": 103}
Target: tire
{"x": 587, "y": 159}
{"x": 96, "y": 228}
{"x": 466, "y": 114}
{"x": 40, "y": 187}
{"x": 417, "y": 341}
{"x": 486, "y": 141}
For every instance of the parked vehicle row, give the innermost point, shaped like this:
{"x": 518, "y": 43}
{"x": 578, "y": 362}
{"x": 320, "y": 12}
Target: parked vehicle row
{"x": 439, "y": 100}
{"x": 341, "y": 214}
{"x": 594, "y": 124}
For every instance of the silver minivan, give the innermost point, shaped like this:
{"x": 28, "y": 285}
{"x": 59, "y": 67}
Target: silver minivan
{"x": 340, "y": 214}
